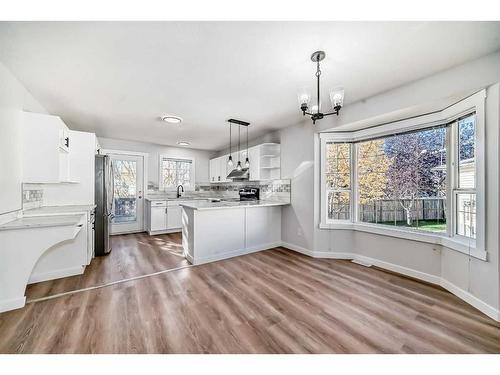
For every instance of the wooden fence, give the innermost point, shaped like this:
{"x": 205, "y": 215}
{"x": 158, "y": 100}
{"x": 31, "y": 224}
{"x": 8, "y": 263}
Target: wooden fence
{"x": 391, "y": 211}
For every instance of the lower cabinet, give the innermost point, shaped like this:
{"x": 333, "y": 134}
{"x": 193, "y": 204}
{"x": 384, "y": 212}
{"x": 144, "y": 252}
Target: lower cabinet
{"x": 163, "y": 217}
{"x": 174, "y": 217}
{"x": 158, "y": 215}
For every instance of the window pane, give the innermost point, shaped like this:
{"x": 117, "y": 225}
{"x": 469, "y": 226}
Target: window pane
{"x": 466, "y": 153}
{"x": 176, "y": 172}
{"x": 339, "y": 205}
{"x": 402, "y": 180}
{"x": 125, "y": 182}
{"x": 338, "y": 165}
{"x": 466, "y": 214}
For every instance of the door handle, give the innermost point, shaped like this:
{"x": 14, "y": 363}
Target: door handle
{"x": 166, "y": 210}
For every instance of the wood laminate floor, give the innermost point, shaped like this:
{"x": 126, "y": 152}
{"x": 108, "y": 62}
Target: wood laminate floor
{"x": 274, "y": 301}
{"x": 132, "y": 255}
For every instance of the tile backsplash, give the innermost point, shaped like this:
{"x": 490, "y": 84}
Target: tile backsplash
{"x": 278, "y": 190}
{"x": 32, "y": 198}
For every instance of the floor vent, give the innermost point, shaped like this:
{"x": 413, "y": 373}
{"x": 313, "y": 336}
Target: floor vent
{"x": 361, "y": 263}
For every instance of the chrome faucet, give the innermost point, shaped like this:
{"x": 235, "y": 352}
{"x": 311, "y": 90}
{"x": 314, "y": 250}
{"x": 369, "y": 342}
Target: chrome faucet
{"x": 178, "y": 193}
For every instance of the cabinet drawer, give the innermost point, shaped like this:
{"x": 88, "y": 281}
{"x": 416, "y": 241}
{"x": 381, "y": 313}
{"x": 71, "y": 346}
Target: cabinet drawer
{"x": 158, "y": 204}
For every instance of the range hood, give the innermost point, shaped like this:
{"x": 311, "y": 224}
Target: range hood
{"x": 238, "y": 175}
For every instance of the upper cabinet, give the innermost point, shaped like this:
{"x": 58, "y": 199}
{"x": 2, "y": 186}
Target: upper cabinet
{"x": 46, "y": 149}
{"x": 265, "y": 163}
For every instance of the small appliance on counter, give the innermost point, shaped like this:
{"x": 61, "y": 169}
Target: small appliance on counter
{"x": 249, "y": 194}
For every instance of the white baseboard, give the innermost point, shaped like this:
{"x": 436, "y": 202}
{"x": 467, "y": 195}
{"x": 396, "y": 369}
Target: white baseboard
{"x": 298, "y": 249}
{"x": 57, "y": 274}
{"x": 248, "y": 250}
{"x": 433, "y": 279}
{"x": 12, "y": 304}
{"x": 471, "y": 300}
{"x": 189, "y": 258}
{"x": 155, "y": 232}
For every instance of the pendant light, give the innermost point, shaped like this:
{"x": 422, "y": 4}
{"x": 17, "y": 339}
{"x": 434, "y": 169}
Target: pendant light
{"x": 238, "y": 167}
{"x": 230, "y": 160}
{"x": 247, "y": 162}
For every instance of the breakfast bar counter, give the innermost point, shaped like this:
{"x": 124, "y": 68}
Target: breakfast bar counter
{"x": 218, "y": 230}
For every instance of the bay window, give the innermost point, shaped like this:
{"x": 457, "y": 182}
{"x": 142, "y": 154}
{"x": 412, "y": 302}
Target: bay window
{"x": 415, "y": 181}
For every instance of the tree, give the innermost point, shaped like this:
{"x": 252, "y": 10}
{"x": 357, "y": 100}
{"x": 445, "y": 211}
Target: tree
{"x": 417, "y": 169}
{"x": 402, "y": 174}
{"x": 373, "y": 165}
{"x": 338, "y": 178}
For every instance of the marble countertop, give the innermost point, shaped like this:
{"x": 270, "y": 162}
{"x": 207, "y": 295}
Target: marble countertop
{"x": 57, "y": 210}
{"x": 206, "y": 205}
{"x": 43, "y": 221}
{"x": 181, "y": 199}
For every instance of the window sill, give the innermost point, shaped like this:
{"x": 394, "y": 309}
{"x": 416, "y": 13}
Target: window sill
{"x": 456, "y": 244}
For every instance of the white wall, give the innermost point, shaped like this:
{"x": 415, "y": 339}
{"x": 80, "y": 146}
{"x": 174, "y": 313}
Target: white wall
{"x": 297, "y": 164}
{"x": 481, "y": 283}
{"x": 14, "y": 98}
{"x": 271, "y": 137}
{"x": 201, "y": 157}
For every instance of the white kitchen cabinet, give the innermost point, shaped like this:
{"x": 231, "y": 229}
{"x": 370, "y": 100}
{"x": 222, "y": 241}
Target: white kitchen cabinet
{"x": 163, "y": 216}
{"x": 156, "y": 216}
{"x": 265, "y": 163}
{"x": 224, "y": 168}
{"x": 46, "y": 149}
{"x": 214, "y": 170}
{"x": 174, "y": 217}
{"x": 219, "y": 169}
{"x": 254, "y": 158}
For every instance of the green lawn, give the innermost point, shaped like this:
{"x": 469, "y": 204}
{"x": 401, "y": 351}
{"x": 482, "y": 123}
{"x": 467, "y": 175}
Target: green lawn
{"x": 426, "y": 225}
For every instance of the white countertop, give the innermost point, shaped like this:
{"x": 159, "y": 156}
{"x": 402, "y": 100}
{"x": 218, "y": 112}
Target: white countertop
{"x": 43, "y": 221}
{"x": 57, "y": 210}
{"x": 181, "y": 199}
{"x": 205, "y": 205}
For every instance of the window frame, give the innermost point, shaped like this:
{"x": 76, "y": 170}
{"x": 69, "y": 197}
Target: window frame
{"x": 160, "y": 170}
{"x": 449, "y": 116}
{"x": 350, "y": 190}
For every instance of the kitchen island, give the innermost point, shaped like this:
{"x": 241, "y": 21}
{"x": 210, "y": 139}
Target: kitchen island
{"x": 218, "y": 230}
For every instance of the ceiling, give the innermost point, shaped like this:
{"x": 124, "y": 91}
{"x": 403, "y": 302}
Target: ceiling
{"x": 117, "y": 78}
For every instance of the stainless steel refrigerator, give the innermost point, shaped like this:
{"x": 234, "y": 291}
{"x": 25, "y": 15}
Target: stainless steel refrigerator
{"x": 104, "y": 189}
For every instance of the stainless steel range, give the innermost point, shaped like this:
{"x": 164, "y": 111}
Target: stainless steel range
{"x": 249, "y": 194}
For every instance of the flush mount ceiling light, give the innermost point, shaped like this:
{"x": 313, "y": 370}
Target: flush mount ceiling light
{"x": 183, "y": 143}
{"x": 171, "y": 119}
{"x": 336, "y": 95}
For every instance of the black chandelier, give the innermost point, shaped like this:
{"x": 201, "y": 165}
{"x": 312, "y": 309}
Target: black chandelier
{"x": 336, "y": 95}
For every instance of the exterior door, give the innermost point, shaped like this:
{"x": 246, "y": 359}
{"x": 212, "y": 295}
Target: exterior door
{"x": 128, "y": 197}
